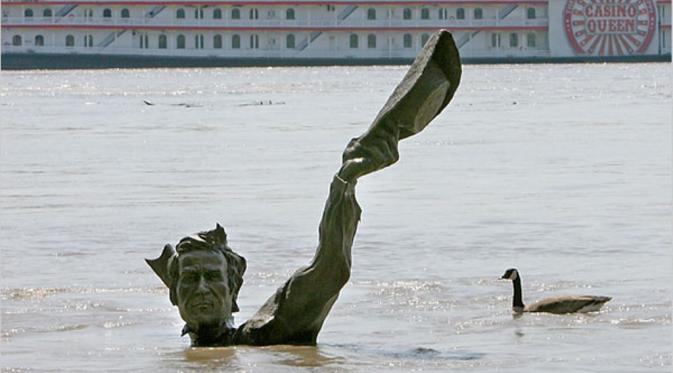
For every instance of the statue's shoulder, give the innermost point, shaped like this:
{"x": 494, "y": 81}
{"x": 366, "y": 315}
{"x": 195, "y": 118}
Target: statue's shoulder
{"x": 260, "y": 330}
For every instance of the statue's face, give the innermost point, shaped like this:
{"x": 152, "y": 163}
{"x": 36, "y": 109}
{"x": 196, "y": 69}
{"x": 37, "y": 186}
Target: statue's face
{"x": 202, "y": 290}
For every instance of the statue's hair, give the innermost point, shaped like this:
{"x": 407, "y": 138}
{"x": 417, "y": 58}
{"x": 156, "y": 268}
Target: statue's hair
{"x": 215, "y": 240}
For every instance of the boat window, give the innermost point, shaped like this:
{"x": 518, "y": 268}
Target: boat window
{"x": 371, "y": 13}
{"x": 163, "y": 42}
{"x": 181, "y": 42}
{"x": 144, "y": 42}
{"x": 371, "y": 41}
{"x": 289, "y": 14}
{"x": 236, "y": 41}
{"x": 289, "y": 41}
{"x": 513, "y": 40}
{"x": 69, "y": 41}
{"x": 530, "y": 14}
{"x": 254, "y": 41}
{"x": 495, "y": 40}
{"x": 353, "y": 42}
{"x": 407, "y": 40}
{"x": 425, "y": 13}
{"x": 478, "y": 13}
{"x": 39, "y": 41}
{"x": 460, "y": 13}
{"x": 126, "y": 13}
{"x": 406, "y": 14}
{"x": 180, "y": 14}
{"x": 530, "y": 40}
{"x": 47, "y": 13}
{"x": 217, "y": 13}
{"x": 16, "y": 41}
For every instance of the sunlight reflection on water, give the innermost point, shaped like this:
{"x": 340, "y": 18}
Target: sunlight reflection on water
{"x": 560, "y": 170}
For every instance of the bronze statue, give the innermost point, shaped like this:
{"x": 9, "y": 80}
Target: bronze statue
{"x": 204, "y": 275}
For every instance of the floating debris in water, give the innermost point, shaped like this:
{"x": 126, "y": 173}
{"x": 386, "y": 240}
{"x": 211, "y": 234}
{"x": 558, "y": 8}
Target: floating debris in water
{"x": 262, "y": 103}
{"x": 184, "y": 104}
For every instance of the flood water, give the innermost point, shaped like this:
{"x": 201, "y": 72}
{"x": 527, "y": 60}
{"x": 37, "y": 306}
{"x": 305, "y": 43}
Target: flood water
{"x": 563, "y": 171}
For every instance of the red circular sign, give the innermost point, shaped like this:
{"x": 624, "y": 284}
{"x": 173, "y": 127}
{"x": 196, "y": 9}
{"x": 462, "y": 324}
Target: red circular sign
{"x": 610, "y": 27}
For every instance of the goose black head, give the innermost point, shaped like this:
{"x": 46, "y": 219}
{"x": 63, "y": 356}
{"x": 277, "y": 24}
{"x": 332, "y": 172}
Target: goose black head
{"x": 510, "y": 274}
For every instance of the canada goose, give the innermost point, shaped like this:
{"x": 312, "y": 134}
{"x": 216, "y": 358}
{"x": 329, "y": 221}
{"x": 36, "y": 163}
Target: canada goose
{"x": 562, "y": 304}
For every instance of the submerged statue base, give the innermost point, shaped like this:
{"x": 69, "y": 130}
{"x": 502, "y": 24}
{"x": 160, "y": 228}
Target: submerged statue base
{"x": 204, "y": 275}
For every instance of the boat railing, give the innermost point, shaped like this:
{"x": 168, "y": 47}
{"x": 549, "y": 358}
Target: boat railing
{"x": 265, "y": 52}
{"x": 282, "y": 24}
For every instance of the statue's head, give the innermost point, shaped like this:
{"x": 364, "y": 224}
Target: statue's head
{"x": 204, "y": 276}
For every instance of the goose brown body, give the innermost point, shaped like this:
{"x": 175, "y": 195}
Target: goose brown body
{"x": 568, "y": 304}
{"x": 558, "y": 305}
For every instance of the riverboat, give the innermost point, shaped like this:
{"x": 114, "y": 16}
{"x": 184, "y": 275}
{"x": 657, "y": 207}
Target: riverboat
{"x": 117, "y": 33}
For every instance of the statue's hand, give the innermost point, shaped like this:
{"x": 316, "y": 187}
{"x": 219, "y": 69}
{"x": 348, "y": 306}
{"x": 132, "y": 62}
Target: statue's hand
{"x": 367, "y": 154}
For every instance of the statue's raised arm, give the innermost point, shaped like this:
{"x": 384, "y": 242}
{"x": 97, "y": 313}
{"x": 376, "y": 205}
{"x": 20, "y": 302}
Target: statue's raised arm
{"x": 424, "y": 92}
{"x": 204, "y": 276}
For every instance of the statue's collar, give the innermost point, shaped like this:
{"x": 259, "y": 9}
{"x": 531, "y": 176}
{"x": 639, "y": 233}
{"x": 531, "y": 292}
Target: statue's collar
{"x": 186, "y": 330}
{"x": 224, "y": 338}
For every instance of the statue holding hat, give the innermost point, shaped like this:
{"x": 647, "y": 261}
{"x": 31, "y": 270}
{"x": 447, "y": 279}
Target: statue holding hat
{"x": 204, "y": 275}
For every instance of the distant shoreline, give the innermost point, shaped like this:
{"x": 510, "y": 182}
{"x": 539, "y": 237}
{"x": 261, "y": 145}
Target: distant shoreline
{"x": 36, "y": 61}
